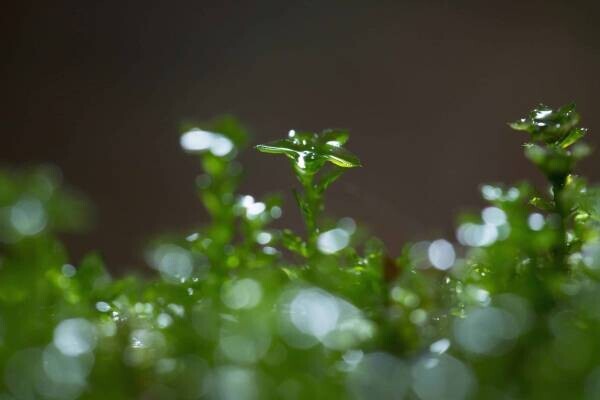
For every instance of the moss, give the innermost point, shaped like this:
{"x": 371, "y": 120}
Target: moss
{"x": 242, "y": 310}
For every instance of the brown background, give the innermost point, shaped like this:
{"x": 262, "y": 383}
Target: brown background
{"x": 99, "y": 88}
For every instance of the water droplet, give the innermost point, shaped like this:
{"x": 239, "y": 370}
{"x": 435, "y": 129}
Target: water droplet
{"x": 103, "y": 306}
{"x": 491, "y": 193}
{"x": 332, "y": 241}
{"x": 197, "y": 141}
{"x": 221, "y": 146}
{"x": 234, "y": 383}
{"x": 241, "y": 294}
{"x": 28, "y": 216}
{"x": 441, "y": 254}
{"x": 442, "y": 377}
{"x": 276, "y": 212}
{"x": 74, "y": 337}
{"x": 263, "y": 237}
{"x": 379, "y": 376}
{"x": 476, "y": 235}
{"x": 174, "y": 263}
{"x": 493, "y": 216}
{"x": 535, "y": 221}
{"x": 314, "y": 312}
{"x": 347, "y": 224}
{"x": 68, "y": 270}
{"x": 164, "y": 320}
{"x": 485, "y": 330}
{"x": 440, "y": 347}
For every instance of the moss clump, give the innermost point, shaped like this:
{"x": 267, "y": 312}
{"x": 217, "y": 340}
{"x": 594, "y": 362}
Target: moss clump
{"x": 242, "y": 310}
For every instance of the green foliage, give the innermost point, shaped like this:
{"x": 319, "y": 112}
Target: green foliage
{"x": 242, "y": 310}
{"x": 308, "y": 153}
{"x": 553, "y": 132}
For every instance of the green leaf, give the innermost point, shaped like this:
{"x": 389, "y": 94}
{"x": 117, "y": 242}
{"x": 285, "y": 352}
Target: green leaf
{"x": 329, "y": 178}
{"x": 310, "y": 150}
{"x": 572, "y": 137}
{"x": 334, "y": 137}
{"x": 548, "y": 125}
{"x": 294, "y": 243}
{"x": 283, "y": 146}
{"x": 541, "y": 203}
{"x": 340, "y": 157}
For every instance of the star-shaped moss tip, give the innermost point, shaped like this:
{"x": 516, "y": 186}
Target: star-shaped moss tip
{"x": 553, "y": 127}
{"x": 309, "y": 151}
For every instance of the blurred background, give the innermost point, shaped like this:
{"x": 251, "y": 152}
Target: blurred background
{"x": 425, "y": 87}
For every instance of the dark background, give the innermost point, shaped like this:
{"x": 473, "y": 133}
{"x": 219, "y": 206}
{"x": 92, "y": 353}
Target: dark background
{"x": 100, "y": 88}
